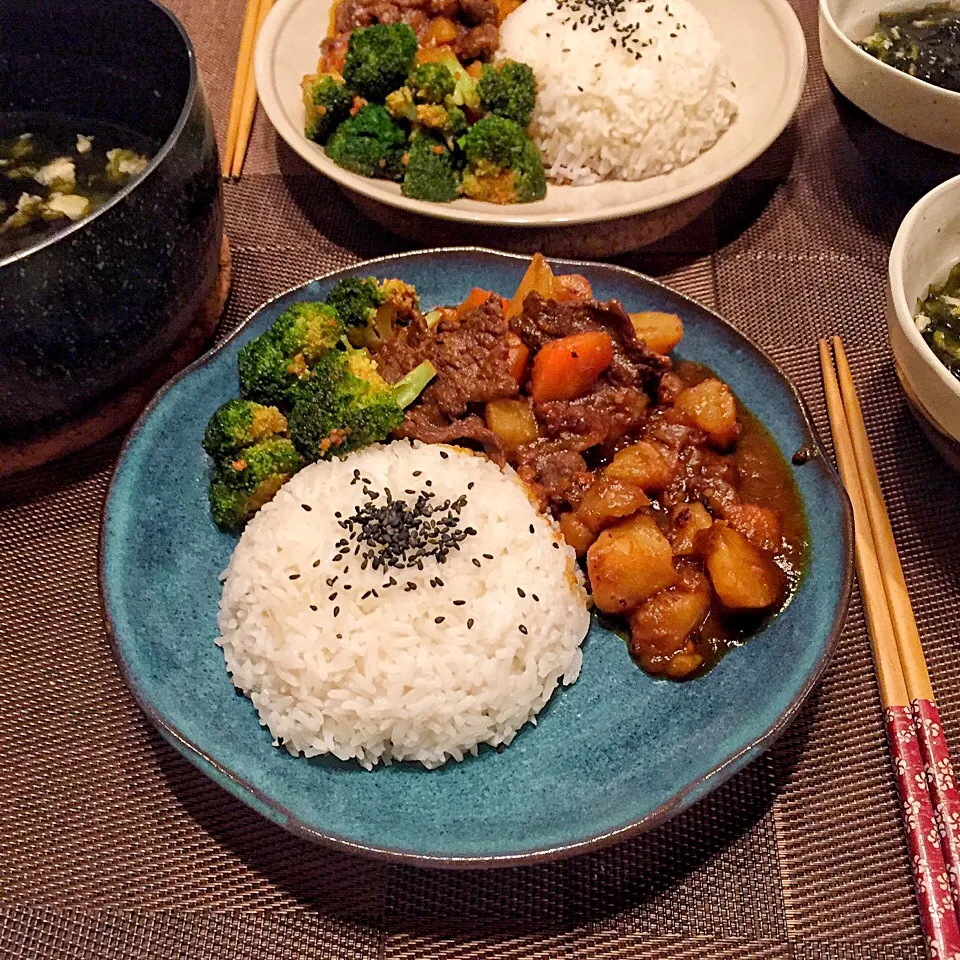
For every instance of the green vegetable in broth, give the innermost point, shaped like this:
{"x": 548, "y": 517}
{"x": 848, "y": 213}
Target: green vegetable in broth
{"x": 924, "y": 43}
{"x": 52, "y": 176}
{"x": 938, "y": 320}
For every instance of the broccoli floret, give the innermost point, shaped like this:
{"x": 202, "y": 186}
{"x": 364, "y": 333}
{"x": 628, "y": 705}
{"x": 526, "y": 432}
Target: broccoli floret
{"x": 240, "y": 487}
{"x": 327, "y": 103}
{"x": 310, "y": 328}
{"x": 451, "y": 121}
{"x": 336, "y": 416}
{"x": 431, "y": 174}
{"x": 379, "y": 59}
{"x": 464, "y": 86}
{"x": 370, "y": 309}
{"x": 275, "y": 363}
{"x": 356, "y": 300}
{"x": 400, "y": 105}
{"x": 239, "y": 423}
{"x": 371, "y": 143}
{"x": 362, "y": 366}
{"x": 503, "y": 164}
{"x": 267, "y": 373}
{"x": 432, "y": 82}
{"x": 508, "y": 90}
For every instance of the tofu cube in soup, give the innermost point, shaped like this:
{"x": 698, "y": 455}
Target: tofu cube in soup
{"x": 743, "y": 576}
{"x": 710, "y": 407}
{"x": 661, "y": 332}
{"x": 629, "y": 563}
{"x": 642, "y": 464}
{"x": 609, "y": 500}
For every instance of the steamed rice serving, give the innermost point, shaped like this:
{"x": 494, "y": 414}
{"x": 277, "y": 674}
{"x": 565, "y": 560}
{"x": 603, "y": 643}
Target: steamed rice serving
{"x": 406, "y": 603}
{"x": 627, "y": 89}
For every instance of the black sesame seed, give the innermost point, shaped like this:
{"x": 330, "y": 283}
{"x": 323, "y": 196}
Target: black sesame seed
{"x": 476, "y": 562}
{"x": 535, "y": 597}
{"x": 313, "y": 608}
{"x": 522, "y": 629}
{"x": 532, "y": 528}
{"x": 336, "y": 611}
{"x": 470, "y": 624}
{"x": 333, "y": 596}
{"x": 470, "y": 485}
{"x": 338, "y": 514}
{"x": 438, "y": 619}
{"x": 444, "y": 455}
{"x": 521, "y": 593}
{"x": 488, "y": 556}
{"x": 294, "y": 576}
{"x": 365, "y": 595}
{"x": 306, "y": 506}
{"x": 459, "y": 603}
{"x": 417, "y": 473}
{"x": 556, "y": 546}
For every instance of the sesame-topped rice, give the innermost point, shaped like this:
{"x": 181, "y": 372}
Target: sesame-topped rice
{"x": 627, "y": 89}
{"x": 371, "y": 616}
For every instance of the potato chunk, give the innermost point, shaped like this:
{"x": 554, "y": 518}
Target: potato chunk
{"x": 629, "y": 563}
{"x": 576, "y": 533}
{"x": 743, "y": 577}
{"x": 710, "y": 407}
{"x": 609, "y": 500}
{"x": 760, "y": 525}
{"x": 689, "y": 520}
{"x": 661, "y": 332}
{"x": 661, "y": 625}
{"x": 513, "y": 422}
{"x": 643, "y": 465}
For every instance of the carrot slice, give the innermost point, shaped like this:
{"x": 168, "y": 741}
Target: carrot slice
{"x": 539, "y": 278}
{"x": 566, "y": 368}
{"x": 517, "y": 357}
{"x": 475, "y": 298}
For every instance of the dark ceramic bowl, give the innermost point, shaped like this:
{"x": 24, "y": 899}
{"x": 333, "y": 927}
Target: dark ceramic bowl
{"x": 616, "y": 753}
{"x": 92, "y": 309}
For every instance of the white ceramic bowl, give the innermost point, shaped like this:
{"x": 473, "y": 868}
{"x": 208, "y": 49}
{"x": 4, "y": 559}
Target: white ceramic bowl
{"x": 906, "y": 105}
{"x": 927, "y": 245}
{"x": 767, "y": 52}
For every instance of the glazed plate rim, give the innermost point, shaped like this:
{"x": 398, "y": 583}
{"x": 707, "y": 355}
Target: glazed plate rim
{"x": 679, "y": 801}
{"x": 610, "y": 200}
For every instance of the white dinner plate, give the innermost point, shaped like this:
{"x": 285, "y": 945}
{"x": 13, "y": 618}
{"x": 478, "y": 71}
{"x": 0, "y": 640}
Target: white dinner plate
{"x": 764, "y": 45}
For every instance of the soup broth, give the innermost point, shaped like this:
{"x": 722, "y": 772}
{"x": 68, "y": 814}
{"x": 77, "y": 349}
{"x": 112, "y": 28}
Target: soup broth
{"x": 56, "y": 171}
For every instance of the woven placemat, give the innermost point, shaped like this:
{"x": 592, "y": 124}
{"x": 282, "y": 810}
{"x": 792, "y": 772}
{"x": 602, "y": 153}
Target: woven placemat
{"x": 111, "y": 846}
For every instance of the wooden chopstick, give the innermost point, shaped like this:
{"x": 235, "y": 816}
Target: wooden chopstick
{"x": 937, "y": 909}
{"x": 244, "y": 101}
{"x": 239, "y": 84}
{"x": 926, "y": 716}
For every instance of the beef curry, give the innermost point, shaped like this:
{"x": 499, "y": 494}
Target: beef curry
{"x": 683, "y": 508}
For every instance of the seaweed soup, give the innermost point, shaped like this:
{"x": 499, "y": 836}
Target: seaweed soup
{"x": 56, "y": 170}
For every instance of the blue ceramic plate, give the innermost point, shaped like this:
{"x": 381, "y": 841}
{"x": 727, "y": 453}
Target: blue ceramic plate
{"x": 612, "y": 755}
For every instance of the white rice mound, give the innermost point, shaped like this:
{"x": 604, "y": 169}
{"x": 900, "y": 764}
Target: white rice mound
{"x": 606, "y": 111}
{"x": 383, "y": 680}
